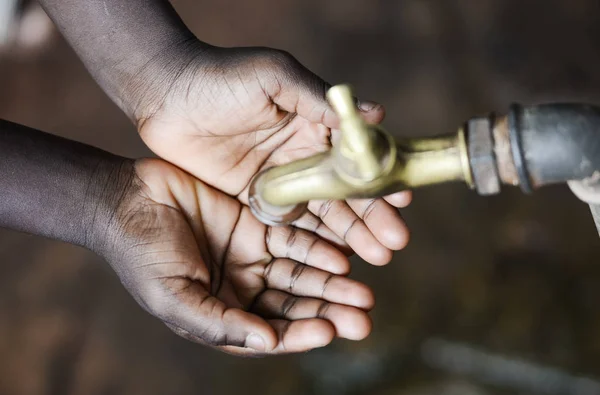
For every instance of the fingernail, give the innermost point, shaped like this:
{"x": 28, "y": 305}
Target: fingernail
{"x": 367, "y": 106}
{"x": 255, "y": 342}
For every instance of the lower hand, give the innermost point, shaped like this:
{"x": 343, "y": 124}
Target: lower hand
{"x": 198, "y": 260}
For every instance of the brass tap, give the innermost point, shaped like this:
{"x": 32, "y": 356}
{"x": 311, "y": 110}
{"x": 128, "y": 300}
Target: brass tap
{"x": 529, "y": 147}
{"x": 368, "y": 162}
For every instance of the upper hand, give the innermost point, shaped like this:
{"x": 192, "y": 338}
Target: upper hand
{"x": 225, "y": 114}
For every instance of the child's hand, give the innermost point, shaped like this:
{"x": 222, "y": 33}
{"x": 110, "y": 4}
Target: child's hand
{"x": 222, "y": 114}
{"x": 198, "y": 260}
{"x": 189, "y": 254}
{"x": 225, "y": 114}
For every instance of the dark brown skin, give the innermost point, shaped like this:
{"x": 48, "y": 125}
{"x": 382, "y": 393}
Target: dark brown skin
{"x": 189, "y": 254}
{"x": 53, "y": 196}
{"x": 223, "y": 114}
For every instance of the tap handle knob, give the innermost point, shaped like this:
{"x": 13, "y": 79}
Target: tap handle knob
{"x": 342, "y": 100}
{"x": 357, "y": 136}
{"x": 355, "y": 131}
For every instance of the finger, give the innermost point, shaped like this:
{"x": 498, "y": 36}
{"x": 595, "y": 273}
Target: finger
{"x": 302, "y": 335}
{"x": 342, "y": 220}
{"x": 294, "y": 337}
{"x": 306, "y": 247}
{"x": 349, "y": 322}
{"x": 301, "y": 91}
{"x": 312, "y": 223}
{"x": 301, "y": 280}
{"x": 399, "y": 199}
{"x": 185, "y": 334}
{"x": 189, "y": 307}
{"x": 372, "y": 112}
{"x": 383, "y": 220}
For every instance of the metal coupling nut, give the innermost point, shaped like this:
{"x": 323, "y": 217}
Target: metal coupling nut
{"x": 480, "y": 142}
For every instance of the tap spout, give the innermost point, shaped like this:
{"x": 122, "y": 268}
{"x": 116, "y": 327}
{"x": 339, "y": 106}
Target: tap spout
{"x": 405, "y": 164}
{"x": 368, "y": 162}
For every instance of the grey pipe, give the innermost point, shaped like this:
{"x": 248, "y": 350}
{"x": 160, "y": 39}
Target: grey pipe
{"x": 536, "y": 146}
{"x": 554, "y": 143}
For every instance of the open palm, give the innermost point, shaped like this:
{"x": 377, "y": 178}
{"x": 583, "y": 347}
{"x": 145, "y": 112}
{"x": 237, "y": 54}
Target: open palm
{"x": 228, "y": 113}
{"x": 198, "y": 260}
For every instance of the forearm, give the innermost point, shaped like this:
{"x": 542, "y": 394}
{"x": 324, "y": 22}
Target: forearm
{"x": 125, "y": 44}
{"x": 57, "y": 188}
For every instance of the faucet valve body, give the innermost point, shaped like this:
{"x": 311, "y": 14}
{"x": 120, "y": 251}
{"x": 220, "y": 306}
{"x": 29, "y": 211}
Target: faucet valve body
{"x": 367, "y": 162}
{"x": 529, "y": 147}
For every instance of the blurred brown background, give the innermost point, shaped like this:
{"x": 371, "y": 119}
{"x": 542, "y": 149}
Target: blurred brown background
{"x": 493, "y": 296}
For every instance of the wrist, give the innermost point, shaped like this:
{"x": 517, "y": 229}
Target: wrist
{"x": 146, "y": 85}
{"x": 121, "y": 42}
{"x": 109, "y": 187}
{"x": 58, "y": 188}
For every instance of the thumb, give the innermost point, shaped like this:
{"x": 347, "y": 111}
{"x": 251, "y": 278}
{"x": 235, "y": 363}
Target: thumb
{"x": 206, "y": 319}
{"x": 299, "y": 90}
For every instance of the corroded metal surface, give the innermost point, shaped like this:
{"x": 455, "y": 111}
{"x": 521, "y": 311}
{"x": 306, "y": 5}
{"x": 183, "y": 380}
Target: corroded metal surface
{"x": 506, "y": 165}
{"x": 482, "y": 157}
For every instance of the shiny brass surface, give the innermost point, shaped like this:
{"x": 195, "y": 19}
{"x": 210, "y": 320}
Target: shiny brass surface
{"x": 359, "y": 141}
{"x": 368, "y": 162}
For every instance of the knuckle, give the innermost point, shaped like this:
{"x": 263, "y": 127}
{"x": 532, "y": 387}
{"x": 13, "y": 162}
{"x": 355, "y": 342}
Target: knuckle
{"x": 325, "y": 207}
{"x": 372, "y": 204}
{"x": 349, "y": 228}
{"x": 276, "y": 61}
{"x": 309, "y": 249}
{"x": 295, "y": 275}
{"x": 292, "y": 237}
{"x": 268, "y": 234}
{"x": 282, "y": 57}
{"x": 153, "y": 296}
{"x": 288, "y": 305}
{"x": 267, "y": 272}
{"x": 322, "y": 311}
{"x": 326, "y": 284}
{"x": 216, "y": 337}
{"x": 169, "y": 305}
